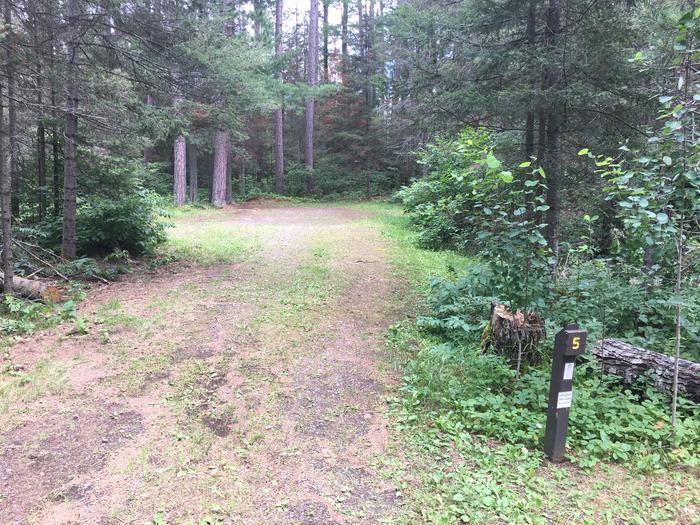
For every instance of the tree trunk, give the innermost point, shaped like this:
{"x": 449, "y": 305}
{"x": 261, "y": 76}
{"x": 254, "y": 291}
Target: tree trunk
{"x": 312, "y": 77}
{"x": 530, "y": 118}
{"x": 326, "y": 71}
{"x": 30, "y": 288}
{"x": 41, "y": 168}
{"x": 40, "y": 129}
{"x": 6, "y": 207}
{"x": 344, "y": 41}
{"x": 241, "y": 176}
{"x": 257, "y": 18}
{"x": 553, "y": 172}
{"x": 70, "y": 148}
{"x": 553, "y": 168}
{"x": 56, "y": 177}
{"x": 193, "y": 169}
{"x": 179, "y": 170}
{"x": 229, "y": 177}
{"x": 12, "y": 106}
{"x": 221, "y": 144}
{"x": 54, "y": 140}
{"x": 148, "y": 150}
{"x": 631, "y": 363}
{"x": 279, "y": 112}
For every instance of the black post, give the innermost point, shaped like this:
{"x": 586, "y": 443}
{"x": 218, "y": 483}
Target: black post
{"x": 568, "y": 343}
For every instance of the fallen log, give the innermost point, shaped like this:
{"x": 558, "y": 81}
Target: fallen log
{"x": 34, "y": 289}
{"x": 631, "y": 362}
{"x": 514, "y": 335}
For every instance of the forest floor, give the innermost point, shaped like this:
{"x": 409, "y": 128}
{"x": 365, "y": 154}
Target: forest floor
{"x": 245, "y": 383}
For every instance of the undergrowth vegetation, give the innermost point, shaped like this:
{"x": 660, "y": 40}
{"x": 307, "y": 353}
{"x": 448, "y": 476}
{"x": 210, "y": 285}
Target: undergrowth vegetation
{"x": 478, "y": 430}
{"x": 471, "y": 204}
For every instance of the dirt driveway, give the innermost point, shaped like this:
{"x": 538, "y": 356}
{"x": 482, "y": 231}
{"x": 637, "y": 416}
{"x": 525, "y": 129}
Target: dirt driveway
{"x": 248, "y": 387}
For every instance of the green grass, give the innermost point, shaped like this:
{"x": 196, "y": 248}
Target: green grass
{"x": 412, "y": 264}
{"x": 19, "y": 387}
{"x": 202, "y": 236}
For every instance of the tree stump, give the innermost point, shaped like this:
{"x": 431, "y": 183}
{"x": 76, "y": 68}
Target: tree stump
{"x": 631, "y": 362}
{"x": 514, "y": 335}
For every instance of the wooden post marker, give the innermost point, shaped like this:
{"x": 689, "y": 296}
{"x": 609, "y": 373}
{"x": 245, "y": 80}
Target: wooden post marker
{"x": 568, "y": 343}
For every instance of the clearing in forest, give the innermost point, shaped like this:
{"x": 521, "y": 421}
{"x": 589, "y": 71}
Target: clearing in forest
{"x": 248, "y": 385}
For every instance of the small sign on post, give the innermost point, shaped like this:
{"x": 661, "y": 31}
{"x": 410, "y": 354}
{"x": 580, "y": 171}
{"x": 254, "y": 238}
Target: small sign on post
{"x": 568, "y": 343}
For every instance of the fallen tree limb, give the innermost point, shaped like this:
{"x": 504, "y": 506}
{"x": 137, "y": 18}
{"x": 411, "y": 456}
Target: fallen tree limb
{"x": 631, "y": 362}
{"x": 34, "y": 289}
{"x": 21, "y": 246}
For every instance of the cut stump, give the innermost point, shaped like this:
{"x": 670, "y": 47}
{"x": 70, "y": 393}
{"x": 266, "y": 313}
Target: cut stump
{"x": 510, "y": 334}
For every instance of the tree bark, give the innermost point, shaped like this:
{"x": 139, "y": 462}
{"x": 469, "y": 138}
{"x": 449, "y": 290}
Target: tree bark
{"x": 344, "y": 41}
{"x": 229, "y": 176}
{"x": 40, "y": 128}
{"x": 631, "y": 363}
{"x": 257, "y": 18}
{"x": 241, "y": 176}
{"x": 179, "y": 170}
{"x": 221, "y": 143}
{"x": 41, "y": 168}
{"x": 312, "y": 77}
{"x": 12, "y": 105}
{"x": 70, "y": 148}
{"x": 54, "y": 137}
{"x": 193, "y": 169}
{"x": 326, "y": 71}
{"x": 30, "y": 288}
{"x": 148, "y": 150}
{"x": 6, "y": 207}
{"x": 56, "y": 172}
{"x": 279, "y": 112}
{"x": 553, "y": 168}
{"x": 530, "y": 118}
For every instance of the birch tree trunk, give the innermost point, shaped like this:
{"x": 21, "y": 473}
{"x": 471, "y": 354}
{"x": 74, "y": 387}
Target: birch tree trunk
{"x": 279, "y": 112}
{"x": 70, "y": 148}
{"x": 312, "y": 77}
{"x": 218, "y": 193}
{"x": 6, "y": 207}
{"x": 193, "y": 169}
{"x": 179, "y": 170}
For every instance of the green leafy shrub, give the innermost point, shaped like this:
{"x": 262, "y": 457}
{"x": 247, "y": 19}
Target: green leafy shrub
{"x": 133, "y": 223}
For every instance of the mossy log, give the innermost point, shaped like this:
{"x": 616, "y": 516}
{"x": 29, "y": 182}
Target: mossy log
{"x": 512, "y": 334}
{"x": 632, "y": 362}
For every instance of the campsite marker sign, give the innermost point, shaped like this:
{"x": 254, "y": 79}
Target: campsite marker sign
{"x": 569, "y": 343}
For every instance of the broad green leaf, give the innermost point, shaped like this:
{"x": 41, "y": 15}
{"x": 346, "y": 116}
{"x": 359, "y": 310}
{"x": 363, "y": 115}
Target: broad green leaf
{"x": 492, "y": 162}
